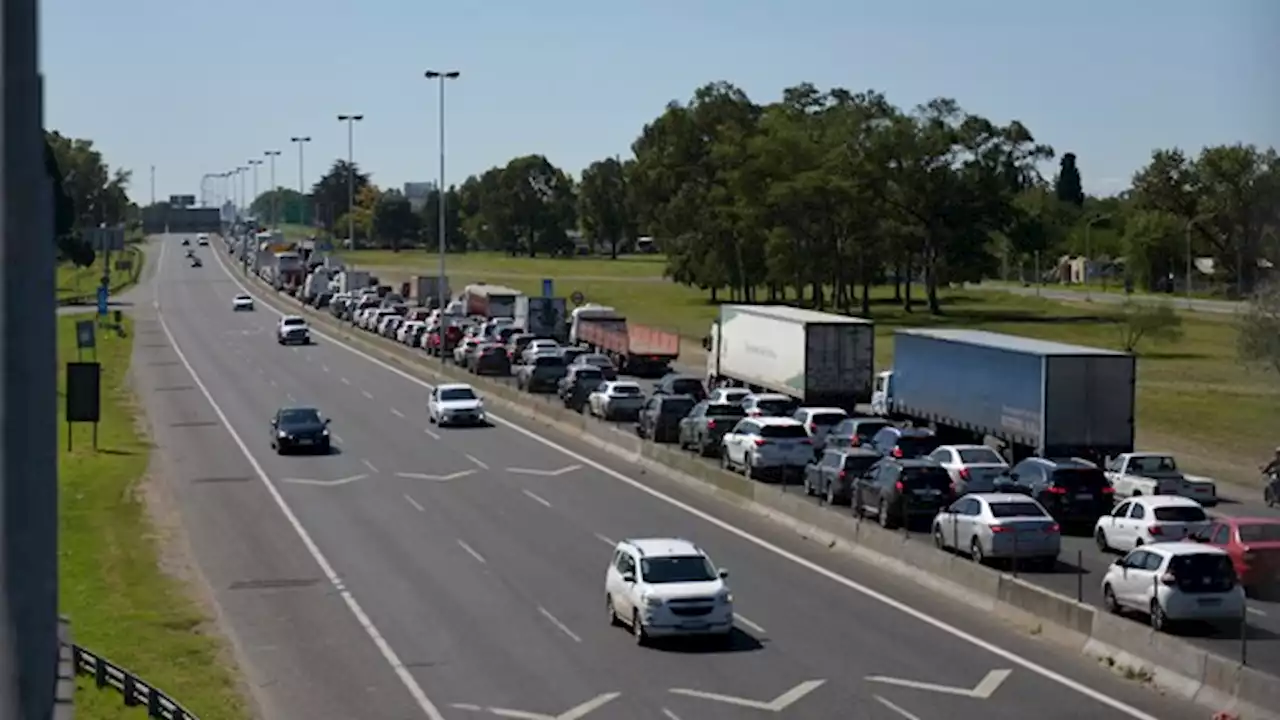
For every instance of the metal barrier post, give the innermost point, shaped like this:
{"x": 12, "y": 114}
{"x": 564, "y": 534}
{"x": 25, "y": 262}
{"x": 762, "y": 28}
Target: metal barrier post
{"x": 1079, "y": 576}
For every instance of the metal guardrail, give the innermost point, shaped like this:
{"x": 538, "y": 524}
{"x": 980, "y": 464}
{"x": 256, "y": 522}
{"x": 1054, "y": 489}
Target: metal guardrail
{"x": 136, "y": 692}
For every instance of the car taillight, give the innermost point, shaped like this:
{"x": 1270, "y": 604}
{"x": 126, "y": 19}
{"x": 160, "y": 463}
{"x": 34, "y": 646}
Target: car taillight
{"x": 1108, "y": 490}
{"x": 753, "y": 413}
{"x": 1155, "y": 530}
{"x": 964, "y": 473}
{"x": 843, "y": 474}
{"x": 897, "y": 452}
{"x": 853, "y": 441}
{"x": 1055, "y": 490}
{"x": 813, "y": 427}
{"x": 1169, "y": 579}
{"x": 1000, "y": 529}
{"x": 898, "y": 486}
{"x": 761, "y": 442}
{"x": 806, "y": 441}
{"x": 711, "y": 424}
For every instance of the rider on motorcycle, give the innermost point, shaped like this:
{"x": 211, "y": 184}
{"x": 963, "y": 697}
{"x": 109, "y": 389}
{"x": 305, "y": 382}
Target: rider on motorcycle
{"x": 1273, "y": 468}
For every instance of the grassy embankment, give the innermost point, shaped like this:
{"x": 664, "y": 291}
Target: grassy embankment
{"x": 121, "y": 604}
{"x": 1194, "y": 398}
{"x": 81, "y": 284}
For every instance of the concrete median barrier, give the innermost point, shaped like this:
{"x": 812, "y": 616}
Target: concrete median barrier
{"x": 1130, "y": 648}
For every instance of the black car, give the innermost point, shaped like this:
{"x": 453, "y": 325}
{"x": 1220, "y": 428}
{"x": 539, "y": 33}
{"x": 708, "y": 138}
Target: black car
{"x": 541, "y": 375}
{"x": 905, "y": 442}
{"x": 491, "y": 360}
{"x": 897, "y": 491}
{"x": 660, "y": 417}
{"x": 677, "y": 384}
{"x": 581, "y": 381}
{"x": 855, "y": 432}
{"x": 834, "y": 473}
{"x": 1075, "y": 492}
{"x": 299, "y": 428}
{"x": 703, "y": 428}
{"x": 598, "y": 360}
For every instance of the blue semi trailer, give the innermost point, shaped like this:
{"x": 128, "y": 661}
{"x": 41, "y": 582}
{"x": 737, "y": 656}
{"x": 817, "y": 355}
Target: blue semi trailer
{"x": 1036, "y": 397}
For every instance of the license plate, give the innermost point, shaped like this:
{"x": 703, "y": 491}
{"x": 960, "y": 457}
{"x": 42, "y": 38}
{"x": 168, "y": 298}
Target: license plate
{"x": 693, "y": 625}
{"x": 1209, "y": 601}
{"x": 928, "y": 492}
{"x": 1084, "y": 496}
{"x": 304, "y": 441}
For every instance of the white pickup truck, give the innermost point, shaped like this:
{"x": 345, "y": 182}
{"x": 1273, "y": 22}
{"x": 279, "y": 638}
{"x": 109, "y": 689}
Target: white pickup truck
{"x": 1134, "y": 474}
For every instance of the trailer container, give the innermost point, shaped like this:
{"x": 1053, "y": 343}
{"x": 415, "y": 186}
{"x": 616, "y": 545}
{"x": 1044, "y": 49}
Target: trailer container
{"x": 543, "y": 316}
{"x": 490, "y": 301}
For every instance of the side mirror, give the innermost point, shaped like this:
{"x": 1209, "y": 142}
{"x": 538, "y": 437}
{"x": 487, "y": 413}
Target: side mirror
{"x": 724, "y": 574}
{"x": 706, "y": 342}
{"x": 628, "y": 578}
{"x": 328, "y": 420}
{"x": 273, "y": 422}
{"x": 1118, "y": 562}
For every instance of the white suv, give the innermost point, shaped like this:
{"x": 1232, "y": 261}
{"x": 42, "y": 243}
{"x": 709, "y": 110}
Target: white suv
{"x": 766, "y": 446}
{"x": 660, "y": 587}
{"x": 1174, "y": 582}
{"x": 293, "y": 329}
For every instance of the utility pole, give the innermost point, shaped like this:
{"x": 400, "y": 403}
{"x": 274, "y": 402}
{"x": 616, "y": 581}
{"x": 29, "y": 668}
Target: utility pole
{"x": 243, "y": 171}
{"x": 275, "y": 194}
{"x": 28, "y": 385}
{"x": 440, "y": 290}
{"x": 254, "y": 163}
{"x": 153, "y": 186}
{"x": 351, "y": 121}
{"x": 302, "y": 188}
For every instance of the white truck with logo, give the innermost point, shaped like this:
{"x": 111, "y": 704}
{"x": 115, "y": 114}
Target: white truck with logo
{"x": 1137, "y": 473}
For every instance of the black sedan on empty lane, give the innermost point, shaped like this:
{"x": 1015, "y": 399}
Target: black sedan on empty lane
{"x": 301, "y": 429}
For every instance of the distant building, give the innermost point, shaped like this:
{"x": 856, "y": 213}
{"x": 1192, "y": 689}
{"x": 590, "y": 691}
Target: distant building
{"x": 417, "y": 193}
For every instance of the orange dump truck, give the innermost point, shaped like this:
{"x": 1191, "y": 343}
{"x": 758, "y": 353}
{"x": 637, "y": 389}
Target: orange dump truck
{"x": 636, "y": 349}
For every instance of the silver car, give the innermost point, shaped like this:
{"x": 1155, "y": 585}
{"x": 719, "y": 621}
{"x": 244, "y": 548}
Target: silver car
{"x": 999, "y": 526}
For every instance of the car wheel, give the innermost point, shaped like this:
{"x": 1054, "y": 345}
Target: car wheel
{"x": 748, "y": 469}
{"x": 431, "y": 418}
{"x": 808, "y": 488}
{"x": 831, "y": 494}
{"x": 1100, "y": 539}
{"x": 882, "y": 515}
{"x": 1109, "y": 600}
{"x": 725, "y": 464}
{"x": 938, "y": 540}
{"x": 975, "y": 552}
{"x": 1159, "y": 621}
{"x": 637, "y": 629}
{"x": 614, "y": 621}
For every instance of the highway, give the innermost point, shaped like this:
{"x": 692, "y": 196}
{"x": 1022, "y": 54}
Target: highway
{"x": 451, "y": 573}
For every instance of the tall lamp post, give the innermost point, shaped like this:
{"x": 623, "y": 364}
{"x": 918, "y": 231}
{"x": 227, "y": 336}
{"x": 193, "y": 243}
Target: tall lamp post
{"x": 254, "y": 163}
{"x": 441, "y": 76}
{"x": 351, "y": 121}
{"x": 275, "y": 196}
{"x": 301, "y": 140}
{"x": 244, "y": 174}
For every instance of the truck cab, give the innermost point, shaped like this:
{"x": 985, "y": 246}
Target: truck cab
{"x": 882, "y": 394}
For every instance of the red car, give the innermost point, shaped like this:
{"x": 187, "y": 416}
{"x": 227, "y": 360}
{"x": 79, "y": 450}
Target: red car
{"x": 1254, "y": 546}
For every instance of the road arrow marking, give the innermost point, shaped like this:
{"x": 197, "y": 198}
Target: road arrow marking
{"x": 576, "y": 713}
{"x": 778, "y": 704}
{"x": 544, "y": 473}
{"x": 324, "y": 483}
{"x": 437, "y": 478}
{"x": 982, "y": 691}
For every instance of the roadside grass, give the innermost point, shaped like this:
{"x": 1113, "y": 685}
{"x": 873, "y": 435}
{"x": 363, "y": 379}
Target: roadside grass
{"x": 497, "y": 265}
{"x": 77, "y": 282}
{"x": 121, "y": 604}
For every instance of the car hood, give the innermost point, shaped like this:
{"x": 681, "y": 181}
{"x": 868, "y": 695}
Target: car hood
{"x": 461, "y": 404}
{"x": 302, "y": 428}
{"x": 686, "y": 590}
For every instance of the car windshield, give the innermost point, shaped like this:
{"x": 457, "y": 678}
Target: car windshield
{"x": 784, "y": 432}
{"x": 588, "y": 375}
{"x": 677, "y": 406}
{"x": 299, "y": 416}
{"x": 1152, "y": 464}
{"x": 600, "y": 361}
{"x": 1259, "y": 532}
{"x": 826, "y": 419}
{"x": 626, "y": 390}
{"x": 1083, "y": 479}
{"x": 1181, "y": 513}
{"x": 242, "y": 297}
{"x": 859, "y": 464}
{"x": 926, "y": 477}
{"x": 982, "y": 479}
{"x": 725, "y": 410}
{"x": 686, "y": 386}
{"x": 776, "y": 406}
{"x": 867, "y": 430}
{"x": 676, "y": 569}
{"x": 1203, "y": 572}
{"x": 979, "y": 455}
{"x": 293, "y": 322}
{"x": 916, "y": 445}
{"x": 548, "y": 361}
{"x": 1016, "y": 509}
{"x": 457, "y": 394}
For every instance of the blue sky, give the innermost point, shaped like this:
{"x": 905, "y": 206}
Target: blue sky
{"x": 196, "y": 87}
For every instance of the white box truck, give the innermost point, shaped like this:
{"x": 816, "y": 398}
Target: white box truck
{"x": 820, "y": 359}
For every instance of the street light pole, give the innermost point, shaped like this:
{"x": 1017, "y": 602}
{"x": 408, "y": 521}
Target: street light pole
{"x": 441, "y": 76}
{"x": 244, "y": 174}
{"x": 254, "y": 163}
{"x": 153, "y": 186}
{"x": 301, "y": 140}
{"x": 275, "y": 195}
{"x": 351, "y": 121}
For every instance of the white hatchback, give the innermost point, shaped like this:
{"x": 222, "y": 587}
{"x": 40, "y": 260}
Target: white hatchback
{"x": 1173, "y": 582}
{"x": 455, "y": 404}
{"x": 1150, "y": 519}
{"x": 660, "y": 587}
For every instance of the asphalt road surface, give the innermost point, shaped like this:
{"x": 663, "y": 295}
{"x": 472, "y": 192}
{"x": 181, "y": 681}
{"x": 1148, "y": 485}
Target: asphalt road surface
{"x": 450, "y": 573}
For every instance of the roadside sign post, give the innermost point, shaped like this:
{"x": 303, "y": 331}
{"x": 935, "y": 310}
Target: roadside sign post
{"x": 548, "y": 288}
{"x": 85, "y": 339}
{"x": 84, "y": 381}
{"x": 104, "y": 296}
{"x": 577, "y": 298}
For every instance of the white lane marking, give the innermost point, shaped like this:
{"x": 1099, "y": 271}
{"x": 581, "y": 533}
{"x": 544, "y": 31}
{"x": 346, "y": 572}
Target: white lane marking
{"x": 270, "y": 380}
{"x": 536, "y": 498}
{"x": 345, "y": 381}
{"x": 605, "y": 539}
{"x": 289, "y": 397}
{"x": 751, "y": 625}
{"x": 849, "y": 583}
{"x": 325, "y": 368}
{"x": 431, "y": 433}
{"x": 669, "y": 715}
{"x": 370, "y": 466}
{"x": 367, "y": 395}
{"x": 397, "y": 413}
{"x": 478, "y": 462}
{"x": 414, "y": 503}
{"x": 472, "y": 552}
{"x": 559, "y": 625}
{"x": 336, "y": 439}
{"x": 406, "y": 678}
{"x": 895, "y": 708}
{"x": 1257, "y": 612}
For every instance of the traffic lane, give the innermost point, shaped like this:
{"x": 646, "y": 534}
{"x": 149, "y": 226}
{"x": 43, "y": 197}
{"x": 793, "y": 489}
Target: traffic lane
{"x": 302, "y": 653}
{"x": 440, "y": 608}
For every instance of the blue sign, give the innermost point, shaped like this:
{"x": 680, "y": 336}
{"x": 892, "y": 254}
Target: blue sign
{"x": 548, "y": 288}
{"x": 102, "y": 300}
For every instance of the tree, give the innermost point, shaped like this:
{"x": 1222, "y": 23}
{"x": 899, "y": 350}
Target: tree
{"x": 394, "y": 220}
{"x": 1139, "y": 321}
{"x": 1153, "y": 241}
{"x": 330, "y": 193}
{"x": 291, "y": 206}
{"x": 98, "y": 194}
{"x": 454, "y": 209}
{"x": 603, "y": 209}
{"x": 71, "y": 247}
{"x": 1259, "y": 338}
{"x": 1067, "y": 186}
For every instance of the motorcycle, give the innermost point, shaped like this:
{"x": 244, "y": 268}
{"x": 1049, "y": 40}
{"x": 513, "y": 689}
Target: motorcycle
{"x": 1271, "y": 491}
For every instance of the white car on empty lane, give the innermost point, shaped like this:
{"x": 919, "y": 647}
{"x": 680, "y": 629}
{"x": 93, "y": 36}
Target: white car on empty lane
{"x": 242, "y": 302}
{"x": 455, "y": 404}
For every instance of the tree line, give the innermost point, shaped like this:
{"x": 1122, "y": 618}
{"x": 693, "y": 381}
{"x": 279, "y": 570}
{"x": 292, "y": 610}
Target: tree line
{"x": 87, "y": 193}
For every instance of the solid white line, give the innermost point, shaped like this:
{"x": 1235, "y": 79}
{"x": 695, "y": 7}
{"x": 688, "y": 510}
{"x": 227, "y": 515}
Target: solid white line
{"x": 397, "y": 413}
{"x": 324, "y": 368}
{"x": 367, "y": 395}
{"x": 379, "y": 640}
{"x": 749, "y": 624}
{"x": 1256, "y": 611}
{"x": 534, "y": 497}
{"x": 895, "y": 708}
{"x": 336, "y": 439}
{"x": 472, "y": 552}
{"x": 414, "y": 503}
{"x": 345, "y": 381}
{"x": 559, "y": 625}
{"x": 288, "y": 397}
{"x": 605, "y": 539}
{"x": 270, "y": 380}
{"x": 669, "y": 715}
{"x": 849, "y": 583}
{"x": 370, "y": 466}
{"x": 477, "y": 461}
{"x": 431, "y": 433}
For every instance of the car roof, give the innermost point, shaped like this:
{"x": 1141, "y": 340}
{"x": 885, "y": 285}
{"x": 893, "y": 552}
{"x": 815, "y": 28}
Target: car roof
{"x": 1184, "y": 547}
{"x": 915, "y": 462}
{"x": 299, "y": 408}
{"x": 663, "y": 547}
{"x": 966, "y": 447}
{"x": 774, "y": 421}
{"x": 770, "y": 396}
{"x": 1066, "y": 463}
{"x": 1164, "y": 501}
{"x": 454, "y": 386}
{"x": 1246, "y": 520}
{"x": 287, "y": 318}
{"x": 998, "y": 498}
{"x": 815, "y": 410}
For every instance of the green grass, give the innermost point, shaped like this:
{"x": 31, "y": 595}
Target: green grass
{"x": 498, "y": 265}
{"x": 82, "y": 283}
{"x": 121, "y": 604}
